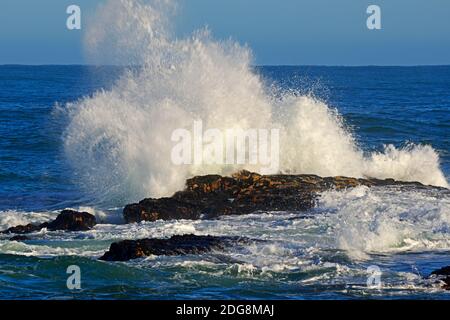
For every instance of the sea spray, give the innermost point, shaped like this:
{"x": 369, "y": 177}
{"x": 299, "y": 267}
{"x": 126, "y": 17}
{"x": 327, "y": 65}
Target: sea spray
{"x": 119, "y": 140}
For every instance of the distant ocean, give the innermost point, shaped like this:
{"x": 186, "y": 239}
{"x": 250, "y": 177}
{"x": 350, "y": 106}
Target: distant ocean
{"x": 63, "y": 128}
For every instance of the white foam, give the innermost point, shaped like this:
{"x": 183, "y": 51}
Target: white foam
{"x": 48, "y": 250}
{"x": 12, "y": 218}
{"x": 368, "y": 220}
{"x": 359, "y": 221}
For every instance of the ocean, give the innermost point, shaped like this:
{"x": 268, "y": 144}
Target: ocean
{"x": 82, "y": 137}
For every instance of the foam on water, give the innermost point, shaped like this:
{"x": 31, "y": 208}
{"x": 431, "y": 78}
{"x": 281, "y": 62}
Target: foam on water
{"x": 118, "y": 141}
{"x": 360, "y": 221}
{"x": 326, "y": 249}
{"x": 47, "y": 250}
{"x": 12, "y": 218}
{"x": 374, "y": 220}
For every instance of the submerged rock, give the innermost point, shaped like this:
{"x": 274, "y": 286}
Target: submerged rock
{"x": 443, "y": 274}
{"x": 67, "y": 220}
{"x": 211, "y": 196}
{"x": 19, "y": 238}
{"x": 176, "y": 245}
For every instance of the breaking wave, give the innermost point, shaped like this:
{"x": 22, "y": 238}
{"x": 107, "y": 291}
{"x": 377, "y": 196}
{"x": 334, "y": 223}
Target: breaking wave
{"x": 119, "y": 140}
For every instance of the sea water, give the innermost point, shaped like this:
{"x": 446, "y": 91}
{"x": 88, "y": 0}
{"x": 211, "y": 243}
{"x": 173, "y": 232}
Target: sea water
{"x": 95, "y": 138}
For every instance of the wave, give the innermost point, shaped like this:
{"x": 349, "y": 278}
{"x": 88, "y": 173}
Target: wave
{"x": 12, "y": 218}
{"x": 118, "y": 141}
{"x": 373, "y": 220}
{"x": 356, "y": 223}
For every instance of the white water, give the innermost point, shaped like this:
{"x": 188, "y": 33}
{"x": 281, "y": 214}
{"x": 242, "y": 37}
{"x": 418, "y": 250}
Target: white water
{"x": 383, "y": 220}
{"x": 118, "y": 141}
{"x": 300, "y": 252}
{"x": 360, "y": 221}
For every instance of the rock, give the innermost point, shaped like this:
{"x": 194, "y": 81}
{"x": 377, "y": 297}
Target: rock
{"x": 443, "y": 274}
{"x": 29, "y": 228}
{"x": 164, "y": 208}
{"x": 176, "y": 245}
{"x": 19, "y": 238}
{"x": 212, "y": 196}
{"x": 67, "y": 220}
{"x": 72, "y": 221}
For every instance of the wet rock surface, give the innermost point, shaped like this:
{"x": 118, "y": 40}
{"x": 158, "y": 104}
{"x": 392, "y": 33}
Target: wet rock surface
{"x": 29, "y": 228}
{"x": 176, "y": 245}
{"x": 72, "y": 221}
{"x": 443, "y": 274}
{"x": 68, "y": 220}
{"x": 245, "y": 192}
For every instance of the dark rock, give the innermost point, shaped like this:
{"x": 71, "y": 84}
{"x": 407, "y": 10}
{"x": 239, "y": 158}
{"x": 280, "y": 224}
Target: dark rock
{"x": 29, "y": 228}
{"x": 67, "y": 220}
{"x": 211, "y": 196}
{"x": 176, "y": 245}
{"x": 443, "y": 274}
{"x": 19, "y": 238}
{"x": 164, "y": 208}
{"x": 72, "y": 221}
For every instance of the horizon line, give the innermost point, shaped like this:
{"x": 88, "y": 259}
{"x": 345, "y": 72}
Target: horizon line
{"x": 255, "y": 65}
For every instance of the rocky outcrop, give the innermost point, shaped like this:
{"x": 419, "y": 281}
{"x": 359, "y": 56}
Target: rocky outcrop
{"x": 176, "y": 245}
{"x": 211, "y": 196}
{"x": 443, "y": 275}
{"x": 72, "y": 221}
{"x": 29, "y": 228}
{"x": 68, "y": 220}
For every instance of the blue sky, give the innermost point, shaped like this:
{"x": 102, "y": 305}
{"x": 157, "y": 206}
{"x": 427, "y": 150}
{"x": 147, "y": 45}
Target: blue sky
{"x": 284, "y": 32}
